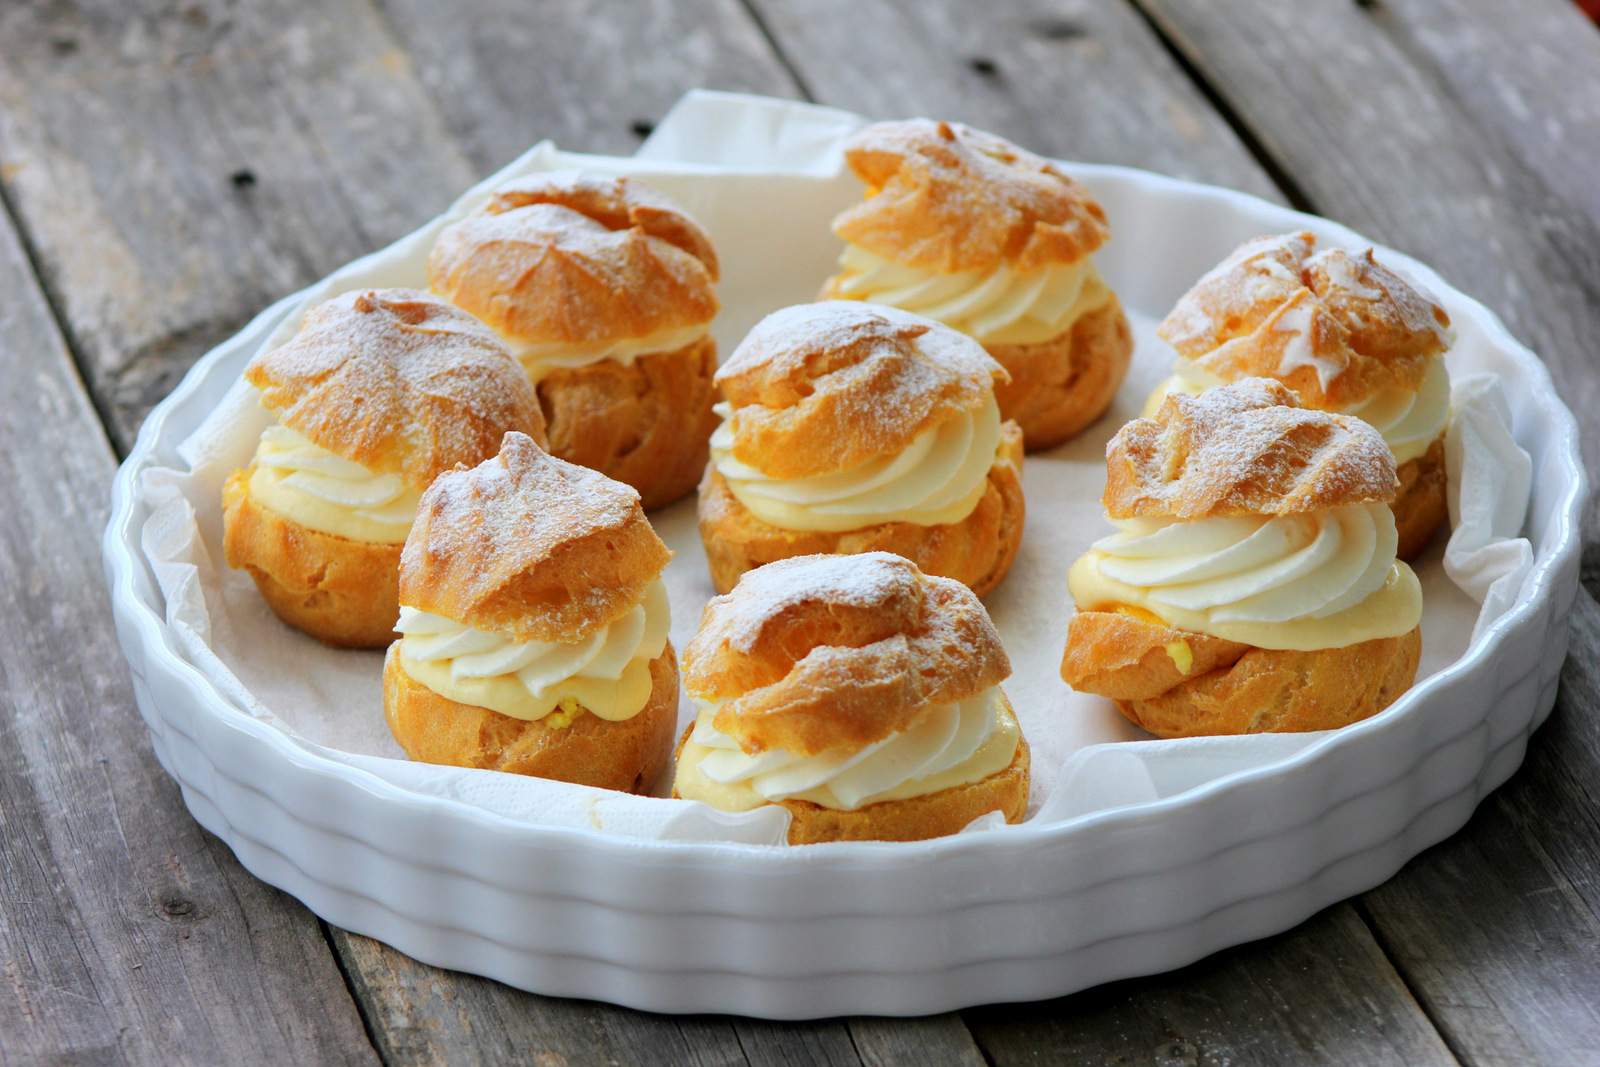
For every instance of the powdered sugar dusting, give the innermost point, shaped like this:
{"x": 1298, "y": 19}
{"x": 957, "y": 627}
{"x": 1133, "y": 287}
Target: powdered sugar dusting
{"x": 398, "y": 381}
{"x": 879, "y": 581}
{"x": 821, "y": 387}
{"x": 951, "y": 198}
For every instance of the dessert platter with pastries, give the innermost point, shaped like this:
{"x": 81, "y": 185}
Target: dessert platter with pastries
{"x": 859, "y": 568}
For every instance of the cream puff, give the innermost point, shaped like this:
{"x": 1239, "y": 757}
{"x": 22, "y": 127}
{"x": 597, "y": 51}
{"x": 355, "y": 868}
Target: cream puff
{"x": 1252, "y": 584}
{"x": 850, "y": 428}
{"x": 1346, "y": 334}
{"x": 534, "y": 626}
{"x": 964, "y": 227}
{"x": 602, "y": 288}
{"x": 379, "y": 391}
{"x": 857, "y": 693}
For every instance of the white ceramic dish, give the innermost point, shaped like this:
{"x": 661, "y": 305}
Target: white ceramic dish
{"x": 1026, "y": 913}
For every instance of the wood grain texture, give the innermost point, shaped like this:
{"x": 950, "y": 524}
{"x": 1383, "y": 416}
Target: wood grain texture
{"x": 592, "y": 75}
{"x": 176, "y": 166}
{"x": 423, "y": 1015}
{"x": 127, "y": 934}
{"x": 1320, "y": 994}
{"x": 1528, "y": 73}
{"x": 1375, "y": 141}
{"x": 1084, "y": 79}
{"x": 1496, "y": 929}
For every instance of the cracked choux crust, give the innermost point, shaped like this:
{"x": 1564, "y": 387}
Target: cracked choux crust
{"x": 950, "y": 198}
{"x": 1355, "y": 317}
{"x": 947, "y": 811}
{"x": 529, "y": 545}
{"x": 629, "y": 755}
{"x": 581, "y": 259}
{"x": 1061, "y": 386}
{"x": 400, "y": 382}
{"x": 1421, "y": 506}
{"x": 977, "y": 551}
{"x": 645, "y": 423}
{"x": 342, "y": 592}
{"x": 1230, "y": 688}
{"x": 818, "y": 388}
{"x": 1247, "y": 448}
{"x": 821, "y": 651}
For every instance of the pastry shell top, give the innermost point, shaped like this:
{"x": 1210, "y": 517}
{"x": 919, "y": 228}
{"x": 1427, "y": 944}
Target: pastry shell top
{"x": 572, "y": 257}
{"x": 948, "y": 198}
{"x": 1247, "y": 448}
{"x": 398, "y": 381}
{"x": 529, "y": 545}
{"x": 818, "y": 388}
{"x": 1348, "y": 314}
{"x": 815, "y": 652}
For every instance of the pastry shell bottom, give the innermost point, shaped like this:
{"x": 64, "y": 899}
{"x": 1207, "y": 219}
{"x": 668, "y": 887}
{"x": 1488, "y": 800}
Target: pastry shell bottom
{"x": 647, "y": 423}
{"x": 1058, "y": 387}
{"x": 915, "y": 818}
{"x": 1420, "y": 508}
{"x": 1233, "y": 688}
{"x": 977, "y": 551}
{"x": 342, "y": 592}
{"x": 629, "y": 755}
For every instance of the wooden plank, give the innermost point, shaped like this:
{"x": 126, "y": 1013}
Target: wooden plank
{"x": 1528, "y": 72}
{"x": 1496, "y": 928}
{"x": 1321, "y": 994}
{"x": 1093, "y": 82}
{"x": 127, "y": 934}
{"x": 1376, "y": 142}
{"x": 422, "y": 1015}
{"x": 593, "y": 75}
{"x": 175, "y": 168}
{"x": 1084, "y": 80}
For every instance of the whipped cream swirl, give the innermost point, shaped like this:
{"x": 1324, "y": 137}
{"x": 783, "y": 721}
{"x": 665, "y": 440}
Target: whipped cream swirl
{"x": 1410, "y": 420}
{"x": 954, "y": 744}
{"x": 998, "y": 306}
{"x": 1314, "y": 580}
{"x": 606, "y": 672}
{"x": 938, "y": 478}
{"x": 308, "y": 484}
{"x": 539, "y": 359}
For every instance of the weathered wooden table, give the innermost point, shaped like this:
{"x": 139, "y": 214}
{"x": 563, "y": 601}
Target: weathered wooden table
{"x": 170, "y": 167}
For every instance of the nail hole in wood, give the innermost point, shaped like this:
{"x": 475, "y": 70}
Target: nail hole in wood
{"x": 177, "y": 907}
{"x": 1369, "y": 5}
{"x": 1058, "y": 29}
{"x": 242, "y": 179}
{"x": 641, "y": 128}
{"x": 64, "y": 46}
{"x": 985, "y": 66}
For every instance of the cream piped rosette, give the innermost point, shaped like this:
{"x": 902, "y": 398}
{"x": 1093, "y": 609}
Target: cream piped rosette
{"x": 1255, "y": 545}
{"x": 846, "y": 424}
{"x": 378, "y": 392}
{"x": 858, "y": 693}
{"x": 533, "y": 625}
{"x": 1341, "y": 330}
{"x": 968, "y": 229}
{"x": 603, "y": 288}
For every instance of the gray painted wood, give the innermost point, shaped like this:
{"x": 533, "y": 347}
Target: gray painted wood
{"x": 592, "y": 75}
{"x": 1081, "y": 79}
{"x": 1320, "y": 994}
{"x": 1496, "y": 929}
{"x": 127, "y": 934}
{"x": 1528, "y": 72}
{"x": 1377, "y": 142}
{"x": 177, "y": 167}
